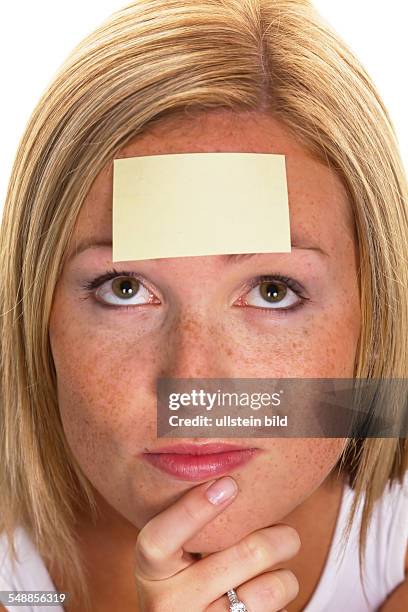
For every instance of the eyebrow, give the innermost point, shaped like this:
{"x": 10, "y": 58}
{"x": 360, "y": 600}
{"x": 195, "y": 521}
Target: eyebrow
{"x": 230, "y": 258}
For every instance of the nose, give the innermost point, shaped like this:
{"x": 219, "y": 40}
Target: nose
{"x": 196, "y": 347}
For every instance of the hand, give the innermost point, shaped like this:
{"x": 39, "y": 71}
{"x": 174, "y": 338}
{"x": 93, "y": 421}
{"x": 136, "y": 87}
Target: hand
{"x": 169, "y": 579}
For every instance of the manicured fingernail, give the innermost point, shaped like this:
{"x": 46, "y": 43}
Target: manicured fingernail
{"x": 221, "y": 490}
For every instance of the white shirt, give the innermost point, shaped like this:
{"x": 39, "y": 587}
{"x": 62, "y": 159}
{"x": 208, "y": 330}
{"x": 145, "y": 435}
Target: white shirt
{"x": 339, "y": 588}
{"x": 30, "y": 572}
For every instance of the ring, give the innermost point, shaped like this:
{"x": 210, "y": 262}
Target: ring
{"x": 236, "y": 605}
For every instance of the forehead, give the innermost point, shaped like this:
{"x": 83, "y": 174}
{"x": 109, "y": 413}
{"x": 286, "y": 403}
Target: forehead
{"x": 319, "y": 207}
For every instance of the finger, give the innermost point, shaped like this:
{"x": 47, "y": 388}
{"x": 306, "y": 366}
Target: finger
{"x": 159, "y": 547}
{"x": 255, "y": 554}
{"x": 268, "y": 592}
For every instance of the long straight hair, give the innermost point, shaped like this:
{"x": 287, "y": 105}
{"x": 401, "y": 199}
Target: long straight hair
{"x": 153, "y": 59}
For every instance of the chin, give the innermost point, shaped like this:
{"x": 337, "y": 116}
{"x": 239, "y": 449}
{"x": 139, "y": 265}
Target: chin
{"x": 221, "y": 533}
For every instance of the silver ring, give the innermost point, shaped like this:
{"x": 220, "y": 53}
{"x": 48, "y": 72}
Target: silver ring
{"x": 236, "y": 605}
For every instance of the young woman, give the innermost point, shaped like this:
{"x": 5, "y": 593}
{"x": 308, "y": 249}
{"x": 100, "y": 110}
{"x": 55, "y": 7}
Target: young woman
{"x": 86, "y": 512}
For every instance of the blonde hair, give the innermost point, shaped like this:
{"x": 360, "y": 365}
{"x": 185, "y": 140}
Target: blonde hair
{"x": 153, "y": 59}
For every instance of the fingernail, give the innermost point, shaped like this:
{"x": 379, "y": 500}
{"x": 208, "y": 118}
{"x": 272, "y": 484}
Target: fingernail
{"x": 221, "y": 490}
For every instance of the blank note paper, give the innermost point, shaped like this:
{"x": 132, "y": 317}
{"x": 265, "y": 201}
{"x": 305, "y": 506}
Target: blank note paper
{"x": 193, "y": 204}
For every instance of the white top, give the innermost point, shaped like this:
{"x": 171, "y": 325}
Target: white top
{"x": 30, "y": 572}
{"x": 339, "y": 587}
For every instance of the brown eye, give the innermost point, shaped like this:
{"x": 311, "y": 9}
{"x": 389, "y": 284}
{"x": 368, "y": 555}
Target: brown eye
{"x": 272, "y": 291}
{"x": 125, "y": 287}
{"x": 271, "y": 294}
{"x": 125, "y": 290}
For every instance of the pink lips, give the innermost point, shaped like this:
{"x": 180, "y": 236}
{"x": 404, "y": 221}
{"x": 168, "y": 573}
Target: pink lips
{"x": 195, "y": 462}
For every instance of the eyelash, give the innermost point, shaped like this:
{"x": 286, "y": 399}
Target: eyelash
{"x": 90, "y": 286}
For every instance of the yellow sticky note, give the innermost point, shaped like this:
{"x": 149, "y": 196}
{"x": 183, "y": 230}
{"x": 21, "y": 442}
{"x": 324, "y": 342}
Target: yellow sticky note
{"x": 189, "y": 204}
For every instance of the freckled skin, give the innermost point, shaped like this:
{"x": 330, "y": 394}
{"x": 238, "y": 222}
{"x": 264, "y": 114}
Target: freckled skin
{"x": 107, "y": 361}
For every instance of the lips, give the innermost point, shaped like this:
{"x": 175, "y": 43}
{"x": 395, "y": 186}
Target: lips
{"x": 195, "y": 462}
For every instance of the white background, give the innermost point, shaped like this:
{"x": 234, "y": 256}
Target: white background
{"x": 36, "y": 36}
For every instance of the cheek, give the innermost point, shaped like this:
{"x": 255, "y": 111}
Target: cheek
{"x": 321, "y": 344}
{"x": 106, "y": 410}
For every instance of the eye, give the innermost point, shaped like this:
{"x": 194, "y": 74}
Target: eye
{"x": 275, "y": 293}
{"x": 124, "y": 289}
{"x": 120, "y": 289}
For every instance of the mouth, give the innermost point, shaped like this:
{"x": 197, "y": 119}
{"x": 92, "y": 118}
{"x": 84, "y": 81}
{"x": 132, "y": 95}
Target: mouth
{"x": 196, "y": 462}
